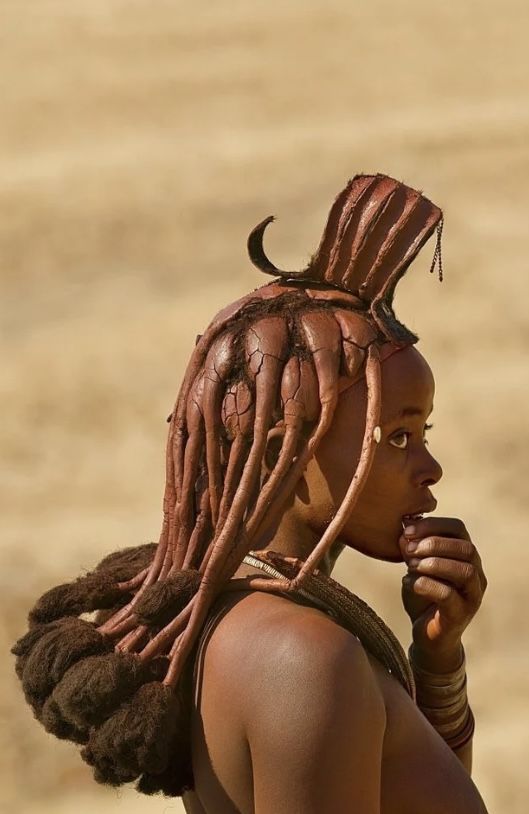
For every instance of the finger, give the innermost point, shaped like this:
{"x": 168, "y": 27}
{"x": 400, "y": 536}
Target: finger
{"x": 444, "y": 596}
{"x": 412, "y": 601}
{"x": 445, "y": 547}
{"x": 455, "y": 549}
{"x": 437, "y": 527}
{"x": 462, "y": 575}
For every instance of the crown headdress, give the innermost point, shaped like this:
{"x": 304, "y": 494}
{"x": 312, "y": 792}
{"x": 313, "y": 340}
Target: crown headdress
{"x": 375, "y": 229}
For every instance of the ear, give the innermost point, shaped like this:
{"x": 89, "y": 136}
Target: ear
{"x": 274, "y": 443}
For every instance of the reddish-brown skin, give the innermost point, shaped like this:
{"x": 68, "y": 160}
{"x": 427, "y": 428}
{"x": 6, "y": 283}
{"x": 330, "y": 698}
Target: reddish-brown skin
{"x": 291, "y": 714}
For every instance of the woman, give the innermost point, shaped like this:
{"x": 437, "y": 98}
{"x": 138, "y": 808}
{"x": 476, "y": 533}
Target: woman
{"x": 229, "y": 667}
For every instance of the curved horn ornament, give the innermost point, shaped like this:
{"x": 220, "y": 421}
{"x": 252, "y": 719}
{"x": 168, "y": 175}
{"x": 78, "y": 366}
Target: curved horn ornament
{"x": 258, "y": 254}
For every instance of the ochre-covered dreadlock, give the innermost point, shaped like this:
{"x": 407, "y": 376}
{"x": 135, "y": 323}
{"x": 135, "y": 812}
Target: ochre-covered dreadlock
{"x": 272, "y": 363}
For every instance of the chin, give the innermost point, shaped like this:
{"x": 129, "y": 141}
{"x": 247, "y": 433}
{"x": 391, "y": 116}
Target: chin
{"x": 391, "y": 556}
{"x": 380, "y": 544}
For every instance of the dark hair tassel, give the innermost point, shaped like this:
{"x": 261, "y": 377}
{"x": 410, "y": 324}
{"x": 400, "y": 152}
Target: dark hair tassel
{"x": 125, "y": 563}
{"x": 164, "y": 600}
{"x": 94, "y": 688}
{"x": 137, "y": 738}
{"x": 54, "y": 653}
{"x": 94, "y": 591}
{"x": 53, "y": 722}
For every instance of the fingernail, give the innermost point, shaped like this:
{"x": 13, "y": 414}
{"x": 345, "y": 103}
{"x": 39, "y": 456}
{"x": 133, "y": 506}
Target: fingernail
{"x": 411, "y": 546}
{"x": 409, "y": 531}
{"x": 413, "y": 563}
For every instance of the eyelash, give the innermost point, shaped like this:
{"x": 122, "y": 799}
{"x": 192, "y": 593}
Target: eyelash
{"x": 408, "y": 434}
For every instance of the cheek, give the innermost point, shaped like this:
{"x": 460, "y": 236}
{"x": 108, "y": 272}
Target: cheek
{"x": 336, "y": 461}
{"x": 330, "y": 472}
{"x": 325, "y": 486}
{"x": 386, "y": 482}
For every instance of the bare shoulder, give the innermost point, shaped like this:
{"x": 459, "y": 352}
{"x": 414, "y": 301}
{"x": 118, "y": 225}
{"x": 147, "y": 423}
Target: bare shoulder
{"x": 268, "y": 635}
{"x": 305, "y": 695}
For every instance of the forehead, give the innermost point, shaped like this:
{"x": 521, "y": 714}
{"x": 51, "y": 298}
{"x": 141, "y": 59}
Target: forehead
{"x": 408, "y": 385}
{"x": 408, "y": 389}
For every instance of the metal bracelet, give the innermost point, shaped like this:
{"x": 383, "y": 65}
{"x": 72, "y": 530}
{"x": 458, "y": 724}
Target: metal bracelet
{"x": 442, "y": 698}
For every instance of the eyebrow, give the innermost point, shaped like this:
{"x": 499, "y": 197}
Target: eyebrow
{"x": 406, "y": 412}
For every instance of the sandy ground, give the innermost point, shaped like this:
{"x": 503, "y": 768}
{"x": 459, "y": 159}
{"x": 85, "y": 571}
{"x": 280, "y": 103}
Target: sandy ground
{"x": 139, "y": 144}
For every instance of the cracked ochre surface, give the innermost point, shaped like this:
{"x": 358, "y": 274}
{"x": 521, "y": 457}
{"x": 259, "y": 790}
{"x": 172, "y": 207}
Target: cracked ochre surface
{"x": 137, "y": 153}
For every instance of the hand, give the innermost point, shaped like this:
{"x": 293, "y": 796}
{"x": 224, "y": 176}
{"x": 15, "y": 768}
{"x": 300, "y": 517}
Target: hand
{"x": 443, "y": 588}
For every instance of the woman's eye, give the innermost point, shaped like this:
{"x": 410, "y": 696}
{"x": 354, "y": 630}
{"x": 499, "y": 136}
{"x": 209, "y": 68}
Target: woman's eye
{"x": 401, "y": 440}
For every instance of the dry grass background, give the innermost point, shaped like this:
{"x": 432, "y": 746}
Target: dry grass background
{"x": 139, "y": 144}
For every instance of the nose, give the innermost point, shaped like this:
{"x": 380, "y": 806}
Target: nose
{"x": 430, "y": 472}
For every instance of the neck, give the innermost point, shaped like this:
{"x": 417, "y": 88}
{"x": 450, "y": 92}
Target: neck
{"x": 293, "y": 538}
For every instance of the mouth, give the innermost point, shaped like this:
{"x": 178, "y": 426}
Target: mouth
{"x": 414, "y": 517}
{"x": 411, "y": 518}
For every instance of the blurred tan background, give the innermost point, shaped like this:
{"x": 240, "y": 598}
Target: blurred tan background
{"x": 140, "y": 142}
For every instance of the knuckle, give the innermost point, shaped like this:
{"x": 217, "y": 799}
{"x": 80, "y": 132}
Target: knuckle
{"x": 441, "y": 592}
{"x": 451, "y": 548}
{"x": 438, "y": 590}
{"x": 460, "y": 529}
{"x": 444, "y": 592}
{"x": 443, "y": 545}
{"x": 428, "y": 545}
{"x": 421, "y": 584}
{"x": 433, "y": 563}
{"x": 470, "y": 549}
{"x": 468, "y": 571}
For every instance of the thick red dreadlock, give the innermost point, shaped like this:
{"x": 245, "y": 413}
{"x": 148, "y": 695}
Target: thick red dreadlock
{"x": 272, "y": 363}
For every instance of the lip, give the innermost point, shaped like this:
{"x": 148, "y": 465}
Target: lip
{"x": 424, "y": 508}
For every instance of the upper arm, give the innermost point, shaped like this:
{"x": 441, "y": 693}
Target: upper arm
{"x": 316, "y": 728}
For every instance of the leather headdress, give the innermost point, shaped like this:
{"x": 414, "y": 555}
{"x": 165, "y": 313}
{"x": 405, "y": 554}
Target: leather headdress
{"x": 375, "y": 229}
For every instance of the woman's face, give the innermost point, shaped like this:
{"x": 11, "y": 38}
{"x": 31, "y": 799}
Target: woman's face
{"x": 403, "y": 469}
